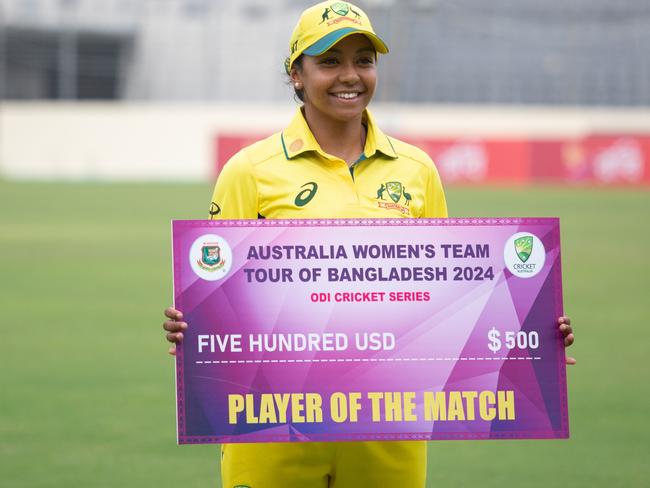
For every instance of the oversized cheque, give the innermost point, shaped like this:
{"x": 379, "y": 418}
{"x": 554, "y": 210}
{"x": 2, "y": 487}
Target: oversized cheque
{"x": 333, "y": 330}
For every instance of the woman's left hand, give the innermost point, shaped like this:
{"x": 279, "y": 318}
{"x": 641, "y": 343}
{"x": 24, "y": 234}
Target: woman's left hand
{"x": 564, "y": 324}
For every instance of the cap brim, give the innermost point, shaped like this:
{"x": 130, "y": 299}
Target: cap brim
{"x": 326, "y": 42}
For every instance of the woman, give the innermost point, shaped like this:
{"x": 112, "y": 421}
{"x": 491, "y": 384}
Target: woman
{"x": 331, "y": 161}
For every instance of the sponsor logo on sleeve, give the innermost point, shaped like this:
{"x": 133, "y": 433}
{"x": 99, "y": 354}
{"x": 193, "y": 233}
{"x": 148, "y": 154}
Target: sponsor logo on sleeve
{"x": 215, "y": 210}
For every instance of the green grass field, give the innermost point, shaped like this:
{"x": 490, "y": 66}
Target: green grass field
{"x": 87, "y": 389}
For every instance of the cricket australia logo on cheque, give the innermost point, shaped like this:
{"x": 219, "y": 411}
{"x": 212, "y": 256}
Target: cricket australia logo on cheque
{"x": 210, "y": 257}
{"x": 524, "y": 254}
{"x": 393, "y": 195}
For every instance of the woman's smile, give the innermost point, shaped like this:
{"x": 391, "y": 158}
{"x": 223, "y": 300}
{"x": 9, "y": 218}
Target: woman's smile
{"x": 352, "y": 96}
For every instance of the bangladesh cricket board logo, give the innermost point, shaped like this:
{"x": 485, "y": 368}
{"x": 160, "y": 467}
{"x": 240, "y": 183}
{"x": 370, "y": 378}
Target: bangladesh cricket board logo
{"x": 210, "y": 257}
{"x": 524, "y": 254}
{"x": 401, "y": 199}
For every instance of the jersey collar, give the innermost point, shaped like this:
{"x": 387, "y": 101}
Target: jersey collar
{"x": 297, "y": 138}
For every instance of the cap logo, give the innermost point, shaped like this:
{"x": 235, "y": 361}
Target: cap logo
{"x": 311, "y": 35}
{"x": 342, "y": 9}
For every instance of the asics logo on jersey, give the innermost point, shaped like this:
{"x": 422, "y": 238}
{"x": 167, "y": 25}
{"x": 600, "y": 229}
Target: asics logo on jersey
{"x": 307, "y": 194}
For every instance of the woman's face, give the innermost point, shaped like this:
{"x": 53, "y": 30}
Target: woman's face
{"x": 339, "y": 83}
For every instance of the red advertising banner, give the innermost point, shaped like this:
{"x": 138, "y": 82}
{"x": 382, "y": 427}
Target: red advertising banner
{"x": 477, "y": 160}
{"x": 596, "y": 159}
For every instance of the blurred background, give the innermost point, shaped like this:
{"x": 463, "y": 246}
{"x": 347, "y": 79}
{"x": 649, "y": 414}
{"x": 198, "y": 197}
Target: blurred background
{"x": 172, "y": 88}
{"x": 117, "y": 115}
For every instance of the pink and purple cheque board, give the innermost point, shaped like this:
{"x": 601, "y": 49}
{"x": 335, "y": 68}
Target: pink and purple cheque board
{"x": 348, "y": 330}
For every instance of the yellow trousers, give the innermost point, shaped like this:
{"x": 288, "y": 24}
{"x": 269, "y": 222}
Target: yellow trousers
{"x": 400, "y": 464}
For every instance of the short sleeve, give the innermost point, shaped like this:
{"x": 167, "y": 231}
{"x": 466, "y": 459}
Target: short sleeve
{"x": 435, "y": 205}
{"x": 235, "y": 193}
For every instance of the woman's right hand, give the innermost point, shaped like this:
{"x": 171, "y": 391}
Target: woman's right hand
{"x": 174, "y": 327}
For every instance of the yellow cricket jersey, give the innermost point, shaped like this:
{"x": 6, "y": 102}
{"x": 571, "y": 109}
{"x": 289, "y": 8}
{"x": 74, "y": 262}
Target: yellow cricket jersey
{"x": 288, "y": 176}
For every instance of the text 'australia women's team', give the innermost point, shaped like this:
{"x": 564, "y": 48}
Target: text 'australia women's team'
{"x": 368, "y": 251}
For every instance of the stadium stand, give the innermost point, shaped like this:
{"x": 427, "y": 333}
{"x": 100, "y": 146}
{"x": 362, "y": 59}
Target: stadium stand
{"x": 576, "y": 52}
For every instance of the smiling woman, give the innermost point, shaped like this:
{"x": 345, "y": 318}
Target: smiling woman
{"x": 331, "y": 161}
{"x": 336, "y": 87}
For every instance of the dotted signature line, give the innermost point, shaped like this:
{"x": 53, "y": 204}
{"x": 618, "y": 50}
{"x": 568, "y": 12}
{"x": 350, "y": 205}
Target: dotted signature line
{"x": 365, "y": 360}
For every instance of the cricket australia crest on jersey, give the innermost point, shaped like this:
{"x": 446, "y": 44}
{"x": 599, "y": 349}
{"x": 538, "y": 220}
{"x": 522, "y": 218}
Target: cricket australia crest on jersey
{"x": 398, "y": 197}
